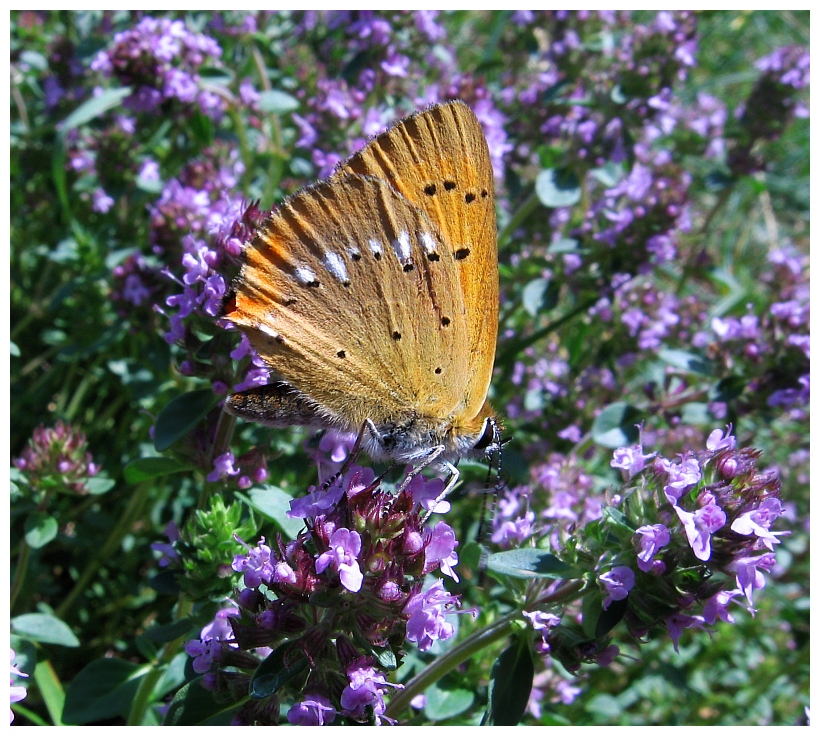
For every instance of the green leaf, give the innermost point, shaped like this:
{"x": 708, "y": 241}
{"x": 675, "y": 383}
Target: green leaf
{"x": 51, "y": 690}
{"x": 41, "y": 528}
{"x": 611, "y": 617}
{"x": 44, "y": 628}
{"x": 686, "y": 361}
{"x": 696, "y": 413}
{"x": 529, "y": 563}
{"x": 609, "y": 174}
{"x": 617, "y": 425}
{"x": 104, "y": 689}
{"x": 727, "y": 389}
{"x": 193, "y": 705}
{"x": 274, "y": 503}
{"x": 510, "y": 685}
{"x": 538, "y": 296}
{"x": 277, "y": 102}
{"x": 164, "y": 633}
{"x": 280, "y": 666}
{"x": 442, "y": 703}
{"x": 98, "y": 485}
{"x": 146, "y": 468}
{"x": 14, "y": 349}
{"x": 563, "y": 245}
{"x": 202, "y": 128}
{"x": 94, "y": 107}
{"x": 180, "y": 416}
{"x": 558, "y": 188}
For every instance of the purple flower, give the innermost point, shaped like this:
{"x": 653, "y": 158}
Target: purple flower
{"x": 367, "y": 687}
{"x": 101, "y": 201}
{"x": 345, "y": 546}
{"x": 314, "y": 710}
{"x": 631, "y": 459}
{"x": 652, "y": 539}
{"x": 16, "y": 692}
{"x": 219, "y": 628}
{"x": 257, "y": 565}
{"x": 716, "y": 441}
{"x": 617, "y": 582}
{"x": 395, "y": 65}
{"x": 440, "y": 548}
{"x": 700, "y": 526}
{"x": 749, "y": 578}
{"x": 316, "y": 502}
{"x": 426, "y": 494}
{"x": 223, "y": 465}
{"x": 541, "y": 619}
{"x": 682, "y": 477}
{"x": 204, "y": 654}
{"x": 167, "y": 549}
{"x": 759, "y": 520}
{"x": 426, "y": 623}
{"x": 715, "y": 607}
{"x": 677, "y": 622}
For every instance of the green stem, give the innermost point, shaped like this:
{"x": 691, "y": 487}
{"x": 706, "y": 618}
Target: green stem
{"x": 20, "y": 573}
{"x": 144, "y": 695}
{"x": 474, "y": 643}
{"x": 109, "y": 549}
{"x": 222, "y": 442}
{"x": 522, "y": 213}
{"x": 458, "y": 654}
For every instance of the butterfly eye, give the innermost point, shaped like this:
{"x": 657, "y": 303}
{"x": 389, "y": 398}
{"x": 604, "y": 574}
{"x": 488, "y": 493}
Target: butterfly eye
{"x": 488, "y": 436}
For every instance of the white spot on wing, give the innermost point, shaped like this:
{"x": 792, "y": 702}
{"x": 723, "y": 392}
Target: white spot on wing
{"x": 304, "y": 275}
{"x": 375, "y": 247}
{"x": 262, "y": 327}
{"x": 402, "y": 247}
{"x": 428, "y": 242}
{"x": 336, "y": 266}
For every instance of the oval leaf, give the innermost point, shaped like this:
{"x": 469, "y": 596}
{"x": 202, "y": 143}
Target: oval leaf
{"x": 274, "y": 503}
{"x": 558, "y": 188}
{"x": 44, "y": 628}
{"x": 277, "y": 102}
{"x": 95, "y": 107}
{"x": 193, "y": 705}
{"x": 104, "y": 689}
{"x": 280, "y": 666}
{"x": 41, "y": 528}
{"x": 180, "y": 416}
{"x": 510, "y": 685}
{"x": 98, "y": 485}
{"x": 441, "y": 704}
{"x": 530, "y": 563}
{"x": 686, "y": 361}
{"x": 617, "y": 425}
{"x": 534, "y": 296}
{"x": 146, "y": 468}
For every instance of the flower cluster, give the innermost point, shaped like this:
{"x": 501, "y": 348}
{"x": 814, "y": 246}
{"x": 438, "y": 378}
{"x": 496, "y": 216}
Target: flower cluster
{"x": 362, "y": 560}
{"x": 57, "y": 458}
{"x": 679, "y": 543}
{"x": 159, "y": 59}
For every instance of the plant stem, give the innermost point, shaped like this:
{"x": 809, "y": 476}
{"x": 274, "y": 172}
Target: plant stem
{"x": 458, "y": 654}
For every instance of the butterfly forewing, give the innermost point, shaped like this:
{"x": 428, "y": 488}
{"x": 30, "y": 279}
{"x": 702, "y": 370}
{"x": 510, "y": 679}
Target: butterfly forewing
{"x": 343, "y": 291}
{"x": 439, "y": 161}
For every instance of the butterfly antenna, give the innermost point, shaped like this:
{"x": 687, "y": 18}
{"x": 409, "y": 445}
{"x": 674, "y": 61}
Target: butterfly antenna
{"x": 488, "y": 514}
